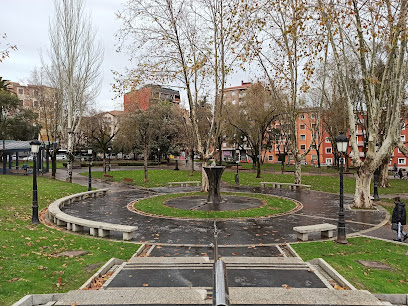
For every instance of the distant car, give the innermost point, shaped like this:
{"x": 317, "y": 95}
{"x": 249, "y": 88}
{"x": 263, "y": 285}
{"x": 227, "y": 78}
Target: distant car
{"x": 61, "y": 157}
{"x": 30, "y": 157}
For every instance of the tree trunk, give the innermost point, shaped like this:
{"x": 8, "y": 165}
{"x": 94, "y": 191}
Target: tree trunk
{"x": 259, "y": 160}
{"x": 53, "y": 165}
{"x": 70, "y": 146}
{"x": 145, "y": 153}
{"x": 204, "y": 178}
{"x": 362, "y": 198}
{"x": 104, "y": 163}
{"x": 318, "y": 157}
{"x": 383, "y": 179}
{"x": 192, "y": 162}
{"x": 298, "y": 172}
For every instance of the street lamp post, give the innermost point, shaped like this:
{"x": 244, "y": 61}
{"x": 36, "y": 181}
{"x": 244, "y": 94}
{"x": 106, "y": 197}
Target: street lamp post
{"x": 89, "y": 170}
{"x": 35, "y": 147}
{"x": 158, "y": 155}
{"x": 109, "y": 150}
{"x": 342, "y": 143}
{"x": 237, "y": 174}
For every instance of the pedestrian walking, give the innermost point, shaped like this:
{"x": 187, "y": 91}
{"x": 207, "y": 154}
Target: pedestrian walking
{"x": 400, "y": 173}
{"x": 399, "y": 219}
{"x": 395, "y": 170}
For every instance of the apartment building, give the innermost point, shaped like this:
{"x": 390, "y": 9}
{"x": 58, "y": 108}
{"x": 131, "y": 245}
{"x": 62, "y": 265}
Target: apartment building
{"x": 305, "y": 124}
{"x": 29, "y": 95}
{"x": 143, "y": 97}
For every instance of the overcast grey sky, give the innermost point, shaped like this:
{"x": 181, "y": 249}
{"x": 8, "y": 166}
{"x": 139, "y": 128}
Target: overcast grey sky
{"x": 26, "y": 25}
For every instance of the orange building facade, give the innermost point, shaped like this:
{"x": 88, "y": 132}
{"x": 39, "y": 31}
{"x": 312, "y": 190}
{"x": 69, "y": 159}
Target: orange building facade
{"x": 305, "y": 125}
{"x": 141, "y": 98}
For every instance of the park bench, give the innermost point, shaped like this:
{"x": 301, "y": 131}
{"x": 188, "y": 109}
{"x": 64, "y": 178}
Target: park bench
{"x": 20, "y": 171}
{"x": 75, "y": 224}
{"x": 290, "y": 185}
{"x": 183, "y": 184}
{"x": 108, "y": 177}
{"x": 325, "y": 229}
{"x": 235, "y": 168}
{"x": 128, "y": 180}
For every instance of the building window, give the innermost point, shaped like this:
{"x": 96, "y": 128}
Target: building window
{"x": 313, "y": 116}
{"x": 303, "y": 147}
{"x": 329, "y": 161}
{"x": 302, "y": 137}
{"x": 402, "y": 137}
{"x": 327, "y": 140}
{"x": 233, "y": 93}
{"x": 302, "y": 117}
{"x": 328, "y": 150}
{"x": 302, "y": 126}
{"x": 313, "y": 147}
{"x": 401, "y": 161}
{"x": 314, "y": 157}
{"x": 270, "y": 157}
{"x": 21, "y": 91}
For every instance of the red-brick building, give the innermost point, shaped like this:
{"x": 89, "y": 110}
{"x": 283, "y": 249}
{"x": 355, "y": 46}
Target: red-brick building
{"x": 141, "y": 98}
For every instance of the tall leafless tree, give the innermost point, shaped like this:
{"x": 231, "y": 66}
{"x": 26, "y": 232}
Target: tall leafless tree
{"x": 75, "y": 66}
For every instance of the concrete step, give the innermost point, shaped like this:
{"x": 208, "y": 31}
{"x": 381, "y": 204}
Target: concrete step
{"x": 239, "y": 296}
{"x": 207, "y": 260}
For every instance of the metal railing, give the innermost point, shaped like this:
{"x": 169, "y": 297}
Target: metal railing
{"x": 220, "y": 287}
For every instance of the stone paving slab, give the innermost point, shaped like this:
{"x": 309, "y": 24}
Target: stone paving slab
{"x": 203, "y": 277}
{"x": 252, "y": 251}
{"x": 239, "y": 296}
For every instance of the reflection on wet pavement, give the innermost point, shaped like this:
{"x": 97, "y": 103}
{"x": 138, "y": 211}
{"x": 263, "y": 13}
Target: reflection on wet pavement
{"x": 318, "y": 207}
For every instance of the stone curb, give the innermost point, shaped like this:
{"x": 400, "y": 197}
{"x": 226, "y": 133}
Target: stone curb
{"x": 105, "y": 268}
{"x": 395, "y": 299}
{"x": 299, "y": 206}
{"x": 331, "y": 272}
{"x": 38, "y": 299}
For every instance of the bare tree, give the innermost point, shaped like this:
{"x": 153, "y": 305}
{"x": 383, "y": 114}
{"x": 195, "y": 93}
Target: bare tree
{"x": 181, "y": 41}
{"x": 362, "y": 34}
{"x": 75, "y": 66}
{"x": 6, "y": 48}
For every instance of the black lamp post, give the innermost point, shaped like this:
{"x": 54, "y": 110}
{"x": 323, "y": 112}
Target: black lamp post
{"x": 376, "y": 176}
{"x": 89, "y": 170}
{"x": 342, "y": 143}
{"x": 35, "y": 147}
{"x": 237, "y": 174}
{"x": 109, "y": 151}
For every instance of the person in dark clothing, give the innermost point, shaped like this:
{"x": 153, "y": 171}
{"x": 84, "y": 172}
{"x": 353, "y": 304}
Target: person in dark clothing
{"x": 399, "y": 219}
{"x": 400, "y": 173}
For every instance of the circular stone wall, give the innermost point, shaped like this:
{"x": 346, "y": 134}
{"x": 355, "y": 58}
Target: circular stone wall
{"x": 195, "y": 206}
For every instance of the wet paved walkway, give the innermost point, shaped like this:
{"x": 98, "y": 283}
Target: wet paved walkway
{"x": 318, "y": 207}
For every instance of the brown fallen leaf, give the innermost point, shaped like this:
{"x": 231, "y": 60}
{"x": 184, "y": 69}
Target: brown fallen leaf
{"x": 145, "y": 285}
{"x": 337, "y": 287}
{"x": 13, "y": 279}
{"x": 74, "y": 304}
{"x": 286, "y": 286}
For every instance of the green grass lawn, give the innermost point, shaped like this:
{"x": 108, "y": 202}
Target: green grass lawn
{"x": 274, "y": 205}
{"x": 305, "y": 168}
{"x": 28, "y": 264}
{"x": 30, "y": 164}
{"x": 321, "y": 183}
{"x": 156, "y": 177}
{"x": 344, "y": 258}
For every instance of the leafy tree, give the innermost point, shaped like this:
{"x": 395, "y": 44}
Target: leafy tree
{"x": 253, "y": 117}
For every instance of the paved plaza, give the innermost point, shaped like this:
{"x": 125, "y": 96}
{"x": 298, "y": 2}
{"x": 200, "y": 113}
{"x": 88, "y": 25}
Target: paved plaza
{"x": 176, "y": 266}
